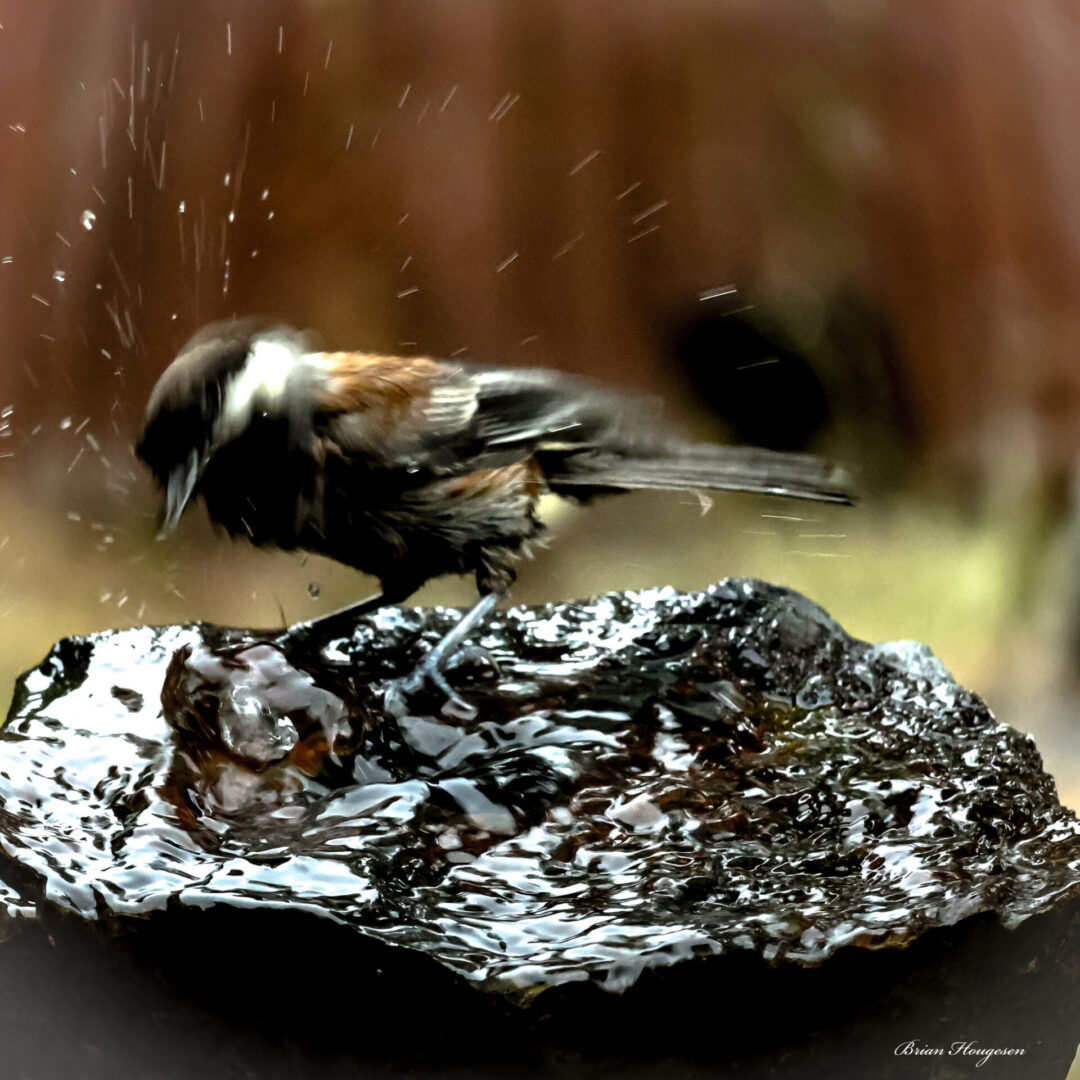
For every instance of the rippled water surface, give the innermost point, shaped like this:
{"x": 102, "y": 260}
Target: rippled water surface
{"x": 647, "y": 778}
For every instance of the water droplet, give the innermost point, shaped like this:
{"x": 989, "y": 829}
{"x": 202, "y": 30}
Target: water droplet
{"x": 265, "y": 195}
{"x": 59, "y": 275}
{"x": 232, "y": 216}
{"x": 314, "y": 589}
{"x": 88, "y": 219}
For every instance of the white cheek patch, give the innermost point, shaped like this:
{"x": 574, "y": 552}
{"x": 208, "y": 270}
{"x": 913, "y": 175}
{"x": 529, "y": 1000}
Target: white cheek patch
{"x": 260, "y": 385}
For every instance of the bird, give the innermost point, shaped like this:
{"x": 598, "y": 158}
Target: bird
{"x": 408, "y": 468}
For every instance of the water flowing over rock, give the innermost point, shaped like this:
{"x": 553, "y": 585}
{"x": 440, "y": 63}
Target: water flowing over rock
{"x": 649, "y": 780}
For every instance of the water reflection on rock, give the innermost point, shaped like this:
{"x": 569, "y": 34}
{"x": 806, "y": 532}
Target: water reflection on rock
{"x": 648, "y": 778}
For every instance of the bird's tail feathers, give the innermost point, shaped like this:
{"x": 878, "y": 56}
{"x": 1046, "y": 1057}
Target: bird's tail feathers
{"x": 705, "y": 467}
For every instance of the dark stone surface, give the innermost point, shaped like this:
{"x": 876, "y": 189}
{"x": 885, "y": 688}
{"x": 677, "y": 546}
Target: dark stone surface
{"x": 680, "y": 831}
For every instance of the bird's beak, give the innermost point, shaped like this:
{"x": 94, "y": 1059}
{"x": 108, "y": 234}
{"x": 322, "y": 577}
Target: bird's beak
{"x": 178, "y": 489}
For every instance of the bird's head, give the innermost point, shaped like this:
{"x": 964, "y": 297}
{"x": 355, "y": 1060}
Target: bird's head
{"x": 225, "y": 378}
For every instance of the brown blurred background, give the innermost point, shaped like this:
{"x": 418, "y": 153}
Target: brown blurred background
{"x": 851, "y": 226}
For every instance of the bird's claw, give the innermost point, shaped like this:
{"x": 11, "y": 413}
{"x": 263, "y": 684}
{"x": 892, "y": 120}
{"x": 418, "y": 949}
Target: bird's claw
{"x": 338, "y": 624}
{"x": 473, "y": 656}
{"x": 427, "y": 680}
{"x": 425, "y": 683}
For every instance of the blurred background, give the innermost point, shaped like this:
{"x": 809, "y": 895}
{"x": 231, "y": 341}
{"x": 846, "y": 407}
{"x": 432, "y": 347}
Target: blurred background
{"x": 850, "y": 226}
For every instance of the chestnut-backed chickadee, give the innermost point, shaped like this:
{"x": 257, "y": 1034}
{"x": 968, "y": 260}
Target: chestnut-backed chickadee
{"x": 408, "y": 468}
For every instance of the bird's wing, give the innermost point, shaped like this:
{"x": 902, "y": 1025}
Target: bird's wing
{"x": 433, "y": 418}
{"x": 440, "y": 417}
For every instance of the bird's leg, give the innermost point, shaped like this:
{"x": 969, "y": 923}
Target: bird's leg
{"x": 474, "y": 617}
{"x": 344, "y": 618}
{"x": 429, "y": 672}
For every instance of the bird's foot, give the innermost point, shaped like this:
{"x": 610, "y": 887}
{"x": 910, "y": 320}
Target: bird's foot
{"x": 422, "y": 690}
{"x": 340, "y": 623}
{"x": 326, "y": 629}
{"x": 427, "y": 681}
{"x": 475, "y": 656}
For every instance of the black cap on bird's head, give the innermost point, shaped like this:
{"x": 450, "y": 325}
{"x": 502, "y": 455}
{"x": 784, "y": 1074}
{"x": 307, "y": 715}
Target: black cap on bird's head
{"x": 207, "y": 396}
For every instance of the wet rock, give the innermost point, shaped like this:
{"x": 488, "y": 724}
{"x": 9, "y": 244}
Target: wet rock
{"x": 681, "y": 798}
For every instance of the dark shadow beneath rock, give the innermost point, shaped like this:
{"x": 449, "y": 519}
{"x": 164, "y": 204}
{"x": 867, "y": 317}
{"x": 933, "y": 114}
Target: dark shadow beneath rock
{"x": 680, "y": 831}
{"x": 224, "y": 993}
